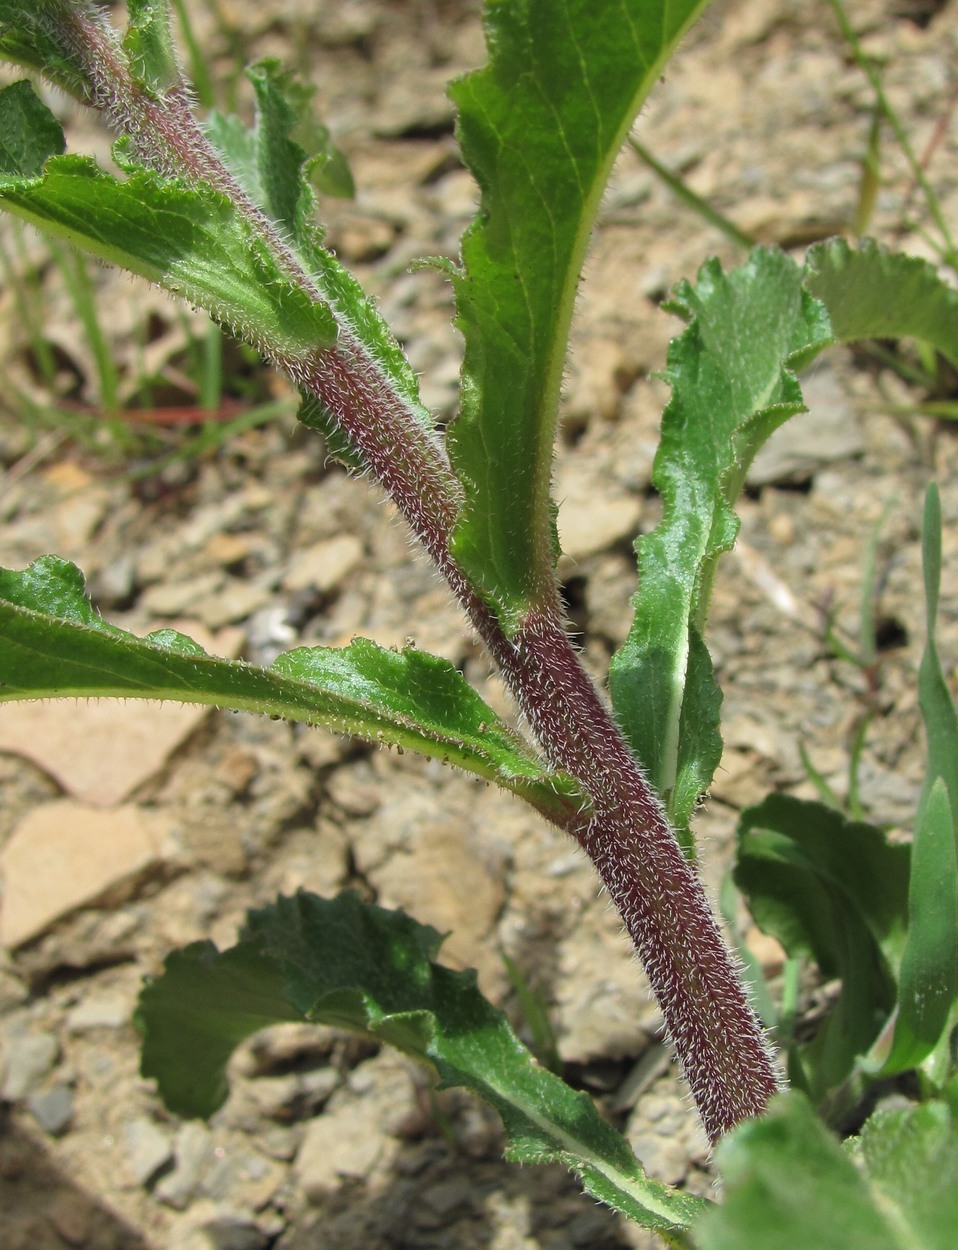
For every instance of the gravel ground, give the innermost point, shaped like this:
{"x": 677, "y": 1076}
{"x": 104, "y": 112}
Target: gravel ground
{"x": 128, "y": 829}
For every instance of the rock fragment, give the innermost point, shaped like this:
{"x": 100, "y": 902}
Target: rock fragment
{"x": 63, "y": 856}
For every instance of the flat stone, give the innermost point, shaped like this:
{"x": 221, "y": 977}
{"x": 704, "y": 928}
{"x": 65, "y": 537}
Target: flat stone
{"x": 213, "y": 1226}
{"x": 242, "y": 1174}
{"x": 235, "y": 600}
{"x": 364, "y": 239}
{"x": 429, "y": 883}
{"x": 115, "y": 582}
{"x": 323, "y": 566}
{"x": 26, "y": 1061}
{"x": 53, "y": 1109}
{"x": 227, "y": 550}
{"x": 108, "y": 1011}
{"x": 421, "y": 110}
{"x": 338, "y": 1145}
{"x": 194, "y": 1154}
{"x": 598, "y": 380}
{"x": 231, "y": 1230}
{"x": 603, "y": 1007}
{"x": 666, "y": 1138}
{"x": 175, "y": 598}
{"x": 456, "y": 1194}
{"x": 591, "y": 516}
{"x": 63, "y": 856}
{"x": 79, "y": 510}
{"x": 148, "y": 1149}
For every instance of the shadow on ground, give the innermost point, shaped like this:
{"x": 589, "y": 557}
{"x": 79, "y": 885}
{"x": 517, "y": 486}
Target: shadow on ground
{"x": 42, "y": 1209}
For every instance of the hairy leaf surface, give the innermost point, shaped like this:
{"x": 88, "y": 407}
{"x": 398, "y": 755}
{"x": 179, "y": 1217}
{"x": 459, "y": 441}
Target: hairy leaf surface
{"x": 31, "y": 36}
{"x": 189, "y": 239}
{"x": 275, "y": 171}
{"x": 352, "y": 965}
{"x": 29, "y": 133}
{"x": 871, "y": 293}
{"x": 788, "y": 1183}
{"x": 540, "y": 127}
{"x": 928, "y": 987}
{"x": 835, "y": 891}
{"x": 54, "y": 644}
{"x": 732, "y": 385}
{"x": 148, "y": 44}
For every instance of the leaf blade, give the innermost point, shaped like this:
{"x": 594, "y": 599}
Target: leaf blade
{"x": 275, "y": 171}
{"x": 928, "y": 981}
{"x": 835, "y": 891}
{"x": 53, "y": 644}
{"x": 871, "y": 293}
{"x": 29, "y": 133}
{"x": 188, "y": 239}
{"x": 353, "y": 965}
{"x": 789, "y": 1183}
{"x": 539, "y": 126}
{"x": 30, "y": 39}
{"x": 732, "y": 385}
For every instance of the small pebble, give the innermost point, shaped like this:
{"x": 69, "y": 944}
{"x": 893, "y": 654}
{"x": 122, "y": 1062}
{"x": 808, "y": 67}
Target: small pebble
{"x": 53, "y": 1109}
{"x": 28, "y": 1060}
{"x": 108, "y": 1012}
{"x": 148, "y": 1149}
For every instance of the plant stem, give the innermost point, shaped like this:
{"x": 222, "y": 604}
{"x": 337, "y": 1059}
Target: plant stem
{"x": 625, "y": 832}
{"x": 716, "y": 1033}
{"x": 708, "y": 1018}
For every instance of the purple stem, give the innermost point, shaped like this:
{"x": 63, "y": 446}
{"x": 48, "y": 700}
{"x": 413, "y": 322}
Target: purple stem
{"x": 709, "y": 1020}
{"x": 625, "y": 832}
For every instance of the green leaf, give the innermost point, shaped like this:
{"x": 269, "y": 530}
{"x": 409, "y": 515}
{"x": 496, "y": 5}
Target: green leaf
{"x": 732, "y": 386}
{"x": 189, "y": 239}
{"x": 211, "y": 1002}
{"x": 329, "y": 170}
{"x": 910, "y": 1156}
{"x": 36, "y": 36}
{"x": 834, "y": 890}
{"x": 271, "y": 164}
{"x": 349, "y": 964}
{"x": 29, "y": 133}
{"x": 287, "y": 125}
{"x": 53, "y": 644}
{"x": 148, "y": 44}
{"x": 192, "y": 239}
{"x": 788, "y": 1183}
{"x": 872, "y": 293}
{"x": 937, "y": 706}
{"x": 540, "y": 127}
{"x": 928, "y": 984}
{"x": 274, "y": 171}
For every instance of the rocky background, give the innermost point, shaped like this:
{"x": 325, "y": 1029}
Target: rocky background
{"x": 127, "y": 829}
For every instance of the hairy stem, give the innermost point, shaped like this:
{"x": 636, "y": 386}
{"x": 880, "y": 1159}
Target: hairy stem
{"x": 625, "y": 832}
{"x": 709, "y": 1020}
